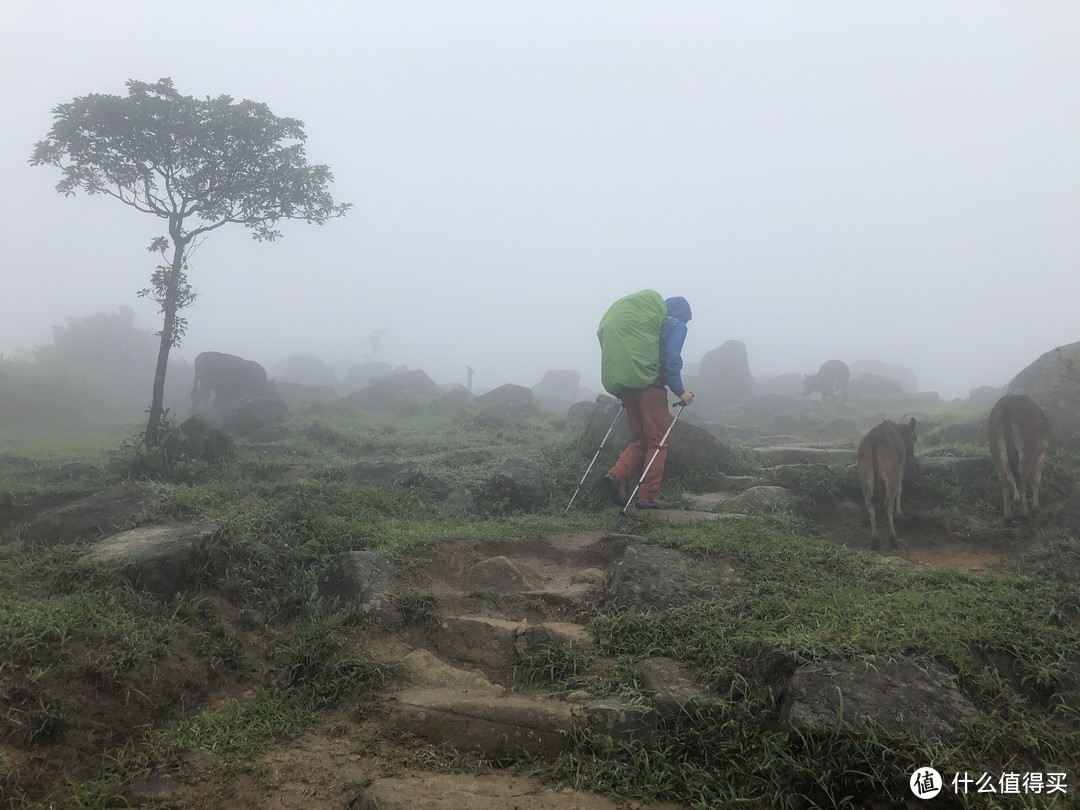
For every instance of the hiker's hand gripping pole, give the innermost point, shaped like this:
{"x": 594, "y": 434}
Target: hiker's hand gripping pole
{"x": 681, "y": 404}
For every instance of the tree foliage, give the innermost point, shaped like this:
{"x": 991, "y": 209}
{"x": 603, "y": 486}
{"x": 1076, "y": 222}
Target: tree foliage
{"x": 199, "y": 164}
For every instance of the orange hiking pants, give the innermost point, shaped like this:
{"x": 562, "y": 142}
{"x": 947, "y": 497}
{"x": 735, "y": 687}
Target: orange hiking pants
{"x": 647, "y": 412}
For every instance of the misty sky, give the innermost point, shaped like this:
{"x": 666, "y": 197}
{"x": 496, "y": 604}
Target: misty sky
{"x": 888, "y": 180}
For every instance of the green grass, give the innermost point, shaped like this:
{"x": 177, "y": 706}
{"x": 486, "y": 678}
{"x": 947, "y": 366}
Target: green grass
{"x": 250, "y": 624}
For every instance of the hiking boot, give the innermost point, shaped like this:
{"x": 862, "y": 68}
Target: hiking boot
{"x": 615, "y": 490}
{"x": 652, "y": 503}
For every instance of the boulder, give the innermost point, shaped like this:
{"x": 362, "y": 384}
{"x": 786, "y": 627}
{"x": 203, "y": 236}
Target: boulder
{"x": 204, "y": 441}
{"x": 1053, "y": 381}
{"x": 724, "y": 375}
{"x": 155, "y": 558}
{"x": 653, "y": 578}
{"x": 358, "y": 579}
{"x": 410, "y": 383}
{"x": 389, "y": 472}
{"x": 321, "y": 433}
{"x": 899, "y": 696}
{"x": 519, "y": 482}
{"x": 874, "y": 387}
{"x": 787, "y": 385}
{"x": 672, "y": 686}
{"x": 559, "y": 386}
{"x": 909, "y": 383}
{"x": 496, "y": 573}
{"x": 105, "y": 512}
{"x": 360, "y": 375}
{"x": 245, "y": 415}
{"x": 517, "y": 395}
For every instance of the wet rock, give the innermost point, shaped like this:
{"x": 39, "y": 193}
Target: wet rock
{"x": 358, "y": 579}
{"x": 102, "y": 513}
{"x": 497, "y": 573}
{"x": 650, "y": 577}
{"x": 155, "y": 558}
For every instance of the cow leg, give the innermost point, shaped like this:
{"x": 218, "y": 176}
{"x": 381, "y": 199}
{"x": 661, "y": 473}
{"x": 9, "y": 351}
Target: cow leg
{"x": 891, "y": 500}
{"x": 1036, "y": 479}
{"x": 867, "y": 483}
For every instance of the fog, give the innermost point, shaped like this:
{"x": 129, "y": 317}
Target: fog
{"x": 894, "y": 180}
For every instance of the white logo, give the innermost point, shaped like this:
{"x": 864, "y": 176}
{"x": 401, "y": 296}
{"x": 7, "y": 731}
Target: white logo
{"x": 926, "y": 783}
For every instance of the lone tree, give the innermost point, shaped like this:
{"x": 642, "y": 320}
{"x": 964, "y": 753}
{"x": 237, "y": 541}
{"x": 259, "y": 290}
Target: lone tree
{"x": 196, "y": 163}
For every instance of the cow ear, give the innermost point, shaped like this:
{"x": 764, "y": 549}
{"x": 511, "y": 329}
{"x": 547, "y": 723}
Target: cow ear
{"x": 911, "y": 424}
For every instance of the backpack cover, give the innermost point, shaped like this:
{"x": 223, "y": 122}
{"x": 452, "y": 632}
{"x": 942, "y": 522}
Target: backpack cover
{"x": 629, "y": 337}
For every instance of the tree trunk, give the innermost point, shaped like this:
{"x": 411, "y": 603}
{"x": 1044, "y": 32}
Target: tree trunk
{"x": 154, "y": 425}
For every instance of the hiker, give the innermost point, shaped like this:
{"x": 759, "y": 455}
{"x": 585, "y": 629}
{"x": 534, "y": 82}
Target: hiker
{"x": 641, "y": 339}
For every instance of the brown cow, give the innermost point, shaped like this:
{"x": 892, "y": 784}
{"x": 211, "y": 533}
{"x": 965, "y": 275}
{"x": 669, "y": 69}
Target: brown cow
{"x": 833, "y": 376}
{"x": 228, "y": 377}
{"x": 1018, "y": 431}
{"x": 882, "y": 456}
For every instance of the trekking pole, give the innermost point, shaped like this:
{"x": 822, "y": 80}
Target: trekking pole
{"x": 594, "y": 458}
{"x": 659, "y": 447}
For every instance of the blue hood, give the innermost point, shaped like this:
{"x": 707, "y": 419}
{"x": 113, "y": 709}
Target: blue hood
{"x": 679, "y": 308}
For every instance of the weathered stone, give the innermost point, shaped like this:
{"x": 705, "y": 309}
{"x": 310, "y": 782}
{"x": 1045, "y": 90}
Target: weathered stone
{"x": 321, "y": 433}
{"x": 361, "y": 374}
{"x": 579, "y": 413}
{"x": 502, "y": 415}
{"x": 650, "y": 577}
{"x": 672, "y": 686}
{"x": 590, "y": 576}
{"x": 906, "y": 378}
{"x": 294, "y": 394}
{"x": 498, "y": 727}
{"x": 559, "y": 634}
{"x": 899, "y": 696}
{"x": 104, "y": 512}
{"x": 725, "y": 376}
{"x": 760, "y": 499}
{"x": 622, "y": 721}
{"x": 957, "y": 433}
{"x": 568, "y": 596}
{"x": 358, "y": 579}
{"x": 520, "y": 482}
{"x": 457, "y": 400}
{"x": 788, "y": 385}
{"x": 680, "y": 517}
{"x": 497, "y": 573}
{"x": 410, "y": 383}
{"x": 156, "y": 557}
{"x": 511, "y": 394}
{"x": 1053, "y": 381}
{"x": 479, "y": 640}
{"x": 960, "y": 467}
{"x": 428, "y": 670}
{"x": 874, "y": 387}
{"x": 204, "y": 441}
{"x": 458, "y": 501}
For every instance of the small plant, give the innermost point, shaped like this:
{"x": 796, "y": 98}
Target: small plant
{"x": 419, "y": 609}
{"x": 548, "y": 664}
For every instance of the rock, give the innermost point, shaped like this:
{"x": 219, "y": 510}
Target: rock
{"x": 957, "y": 433}
{"x": 245, "y": 415}
{"x": 874, "y": 387}
{"x": 361, "y": 374}
{"x": 579, "y": 413}
{"x": 589, "y": 576}
{"x": 672, "y": 686}
{"x": 156, "y": 558}
{"x": 900, "y": 696}
{"x": 762, "y": 499}
{"x": 428, "y": 670}
{"x": 410, "y": 383}
{"x": 960, "y": 467}
{"x": 906, "y": 379}
{"x": 479, "y": 640}
{"x": 458, "y": 501}
{"x": 502, "y": 415}
{"x": 497, "y": 726}
{"x": 358, "y": 579}
{"x": 680, "y": 517}
{"x": 622, "y": 720}
{"x": 457, "y": 400}
{"x": 650, "y": 577}
{"x": 497, "y": 573}
{"x": 321, "y": 433}
{"x": 1053, "y": 381}
{"x": 520, "y": 483}
{"x": 724, "y": 375}
{"x": 558, "y": 387}
{"x": 88, "y": 518}
{"x": 517, "y": 395}
{"x": 204, "y": 441}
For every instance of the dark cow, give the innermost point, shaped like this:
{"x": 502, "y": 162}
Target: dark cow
{"x": 227, "y": 377}
{"x": 832, "y": 377}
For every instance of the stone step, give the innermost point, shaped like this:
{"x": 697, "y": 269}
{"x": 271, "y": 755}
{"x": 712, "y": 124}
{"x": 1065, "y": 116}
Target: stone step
{"x": 679, "y": 517}
{"x": 800, "y": 454}
{"x": 497, "y": 726}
